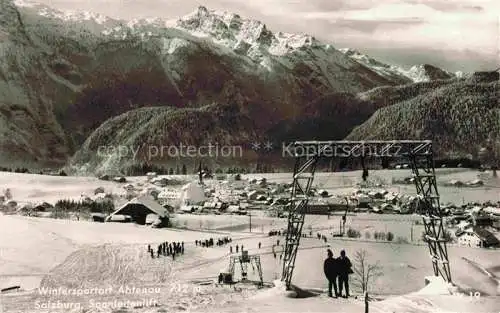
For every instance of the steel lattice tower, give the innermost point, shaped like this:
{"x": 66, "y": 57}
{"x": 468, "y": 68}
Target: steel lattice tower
{"x": 420, "y": 156}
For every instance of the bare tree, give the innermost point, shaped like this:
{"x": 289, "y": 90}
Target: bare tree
{"x": 364, "y": 271}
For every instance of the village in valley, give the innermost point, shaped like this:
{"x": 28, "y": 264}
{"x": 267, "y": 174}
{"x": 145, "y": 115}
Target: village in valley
{"x": 209, "y": 230}
{"x": 205, "y": 201}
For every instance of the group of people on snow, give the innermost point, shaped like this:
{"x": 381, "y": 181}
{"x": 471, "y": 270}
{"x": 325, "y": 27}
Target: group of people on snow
{"x": 337, "y": 270}
{"x": 207, "y": 243}
{"x": 167, "y": 249}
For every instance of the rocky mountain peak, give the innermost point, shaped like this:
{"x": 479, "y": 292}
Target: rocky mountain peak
{"x": 350, "y": 51}
{"x": 236, "y": 32}
{"x": 362, "y": 58}
{"x": 226, "y": 26}
{"x": 427, "y": 72}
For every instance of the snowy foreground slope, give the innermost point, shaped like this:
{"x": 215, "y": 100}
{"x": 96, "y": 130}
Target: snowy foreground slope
{"x": 276, "y": 302}
{"x": 44, "y": 254}
{"x": 437, "y": 300}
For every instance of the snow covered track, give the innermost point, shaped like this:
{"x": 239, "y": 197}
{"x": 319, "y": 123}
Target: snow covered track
{"x": 109, "y": 265}
{"x": 92, "y": 277}
{"x": 485, "y": 271}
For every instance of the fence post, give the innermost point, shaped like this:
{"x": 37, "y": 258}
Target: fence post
{"x": 366, "y": 301}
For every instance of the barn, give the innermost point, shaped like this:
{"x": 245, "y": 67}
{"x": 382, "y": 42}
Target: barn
{"x": 139, "y": 208}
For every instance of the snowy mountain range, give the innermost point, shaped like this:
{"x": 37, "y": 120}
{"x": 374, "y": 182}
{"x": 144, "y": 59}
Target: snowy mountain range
{"x": 417, "y": 73}
{"x": 73, "y": 81}
{"x": 244, "y": 36}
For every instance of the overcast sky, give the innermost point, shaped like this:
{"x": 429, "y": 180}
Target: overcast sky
{"x": 454, "y": 34}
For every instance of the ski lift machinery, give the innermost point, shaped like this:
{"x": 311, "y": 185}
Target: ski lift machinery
{"x": 244, "y": 259}
{"x": 420, "y": 157}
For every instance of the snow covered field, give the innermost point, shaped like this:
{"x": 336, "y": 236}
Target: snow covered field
{"x": 71, "y": 254}
{"x": 37, "y": 188}
{"x": 63, "y": 254}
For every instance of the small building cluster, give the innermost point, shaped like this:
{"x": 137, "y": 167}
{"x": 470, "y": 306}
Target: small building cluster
{"x": 476, "y": 224}
{"x": 155, "y": 201}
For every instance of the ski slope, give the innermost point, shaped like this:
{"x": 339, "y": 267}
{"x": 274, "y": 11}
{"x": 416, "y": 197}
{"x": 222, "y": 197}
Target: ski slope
{"x": 84, "y": 255}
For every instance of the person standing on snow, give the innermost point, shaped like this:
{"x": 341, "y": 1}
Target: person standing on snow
{"x": 345, "y": 268}
{"x": 330, "y": 268}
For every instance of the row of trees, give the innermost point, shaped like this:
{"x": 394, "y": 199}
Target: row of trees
{"x": 25, "y": 170}
{"x": 489, "y": 157}
{"x": 384, "y": 236}
{"x": 389, "y": 236}
{"x": 105, "y": 207}
{"x": 15, "y": 170}
{"x": 446, "y": 236}
{"x": 140, "y": 169}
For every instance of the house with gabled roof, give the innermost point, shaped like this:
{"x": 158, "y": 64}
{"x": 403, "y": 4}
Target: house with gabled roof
{"x": 139, "y": 208}
{"x": 477, "y": 237}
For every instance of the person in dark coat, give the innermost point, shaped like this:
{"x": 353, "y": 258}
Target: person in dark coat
{"x": 330, "y": 267}
{"x": 345, "y": 268}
